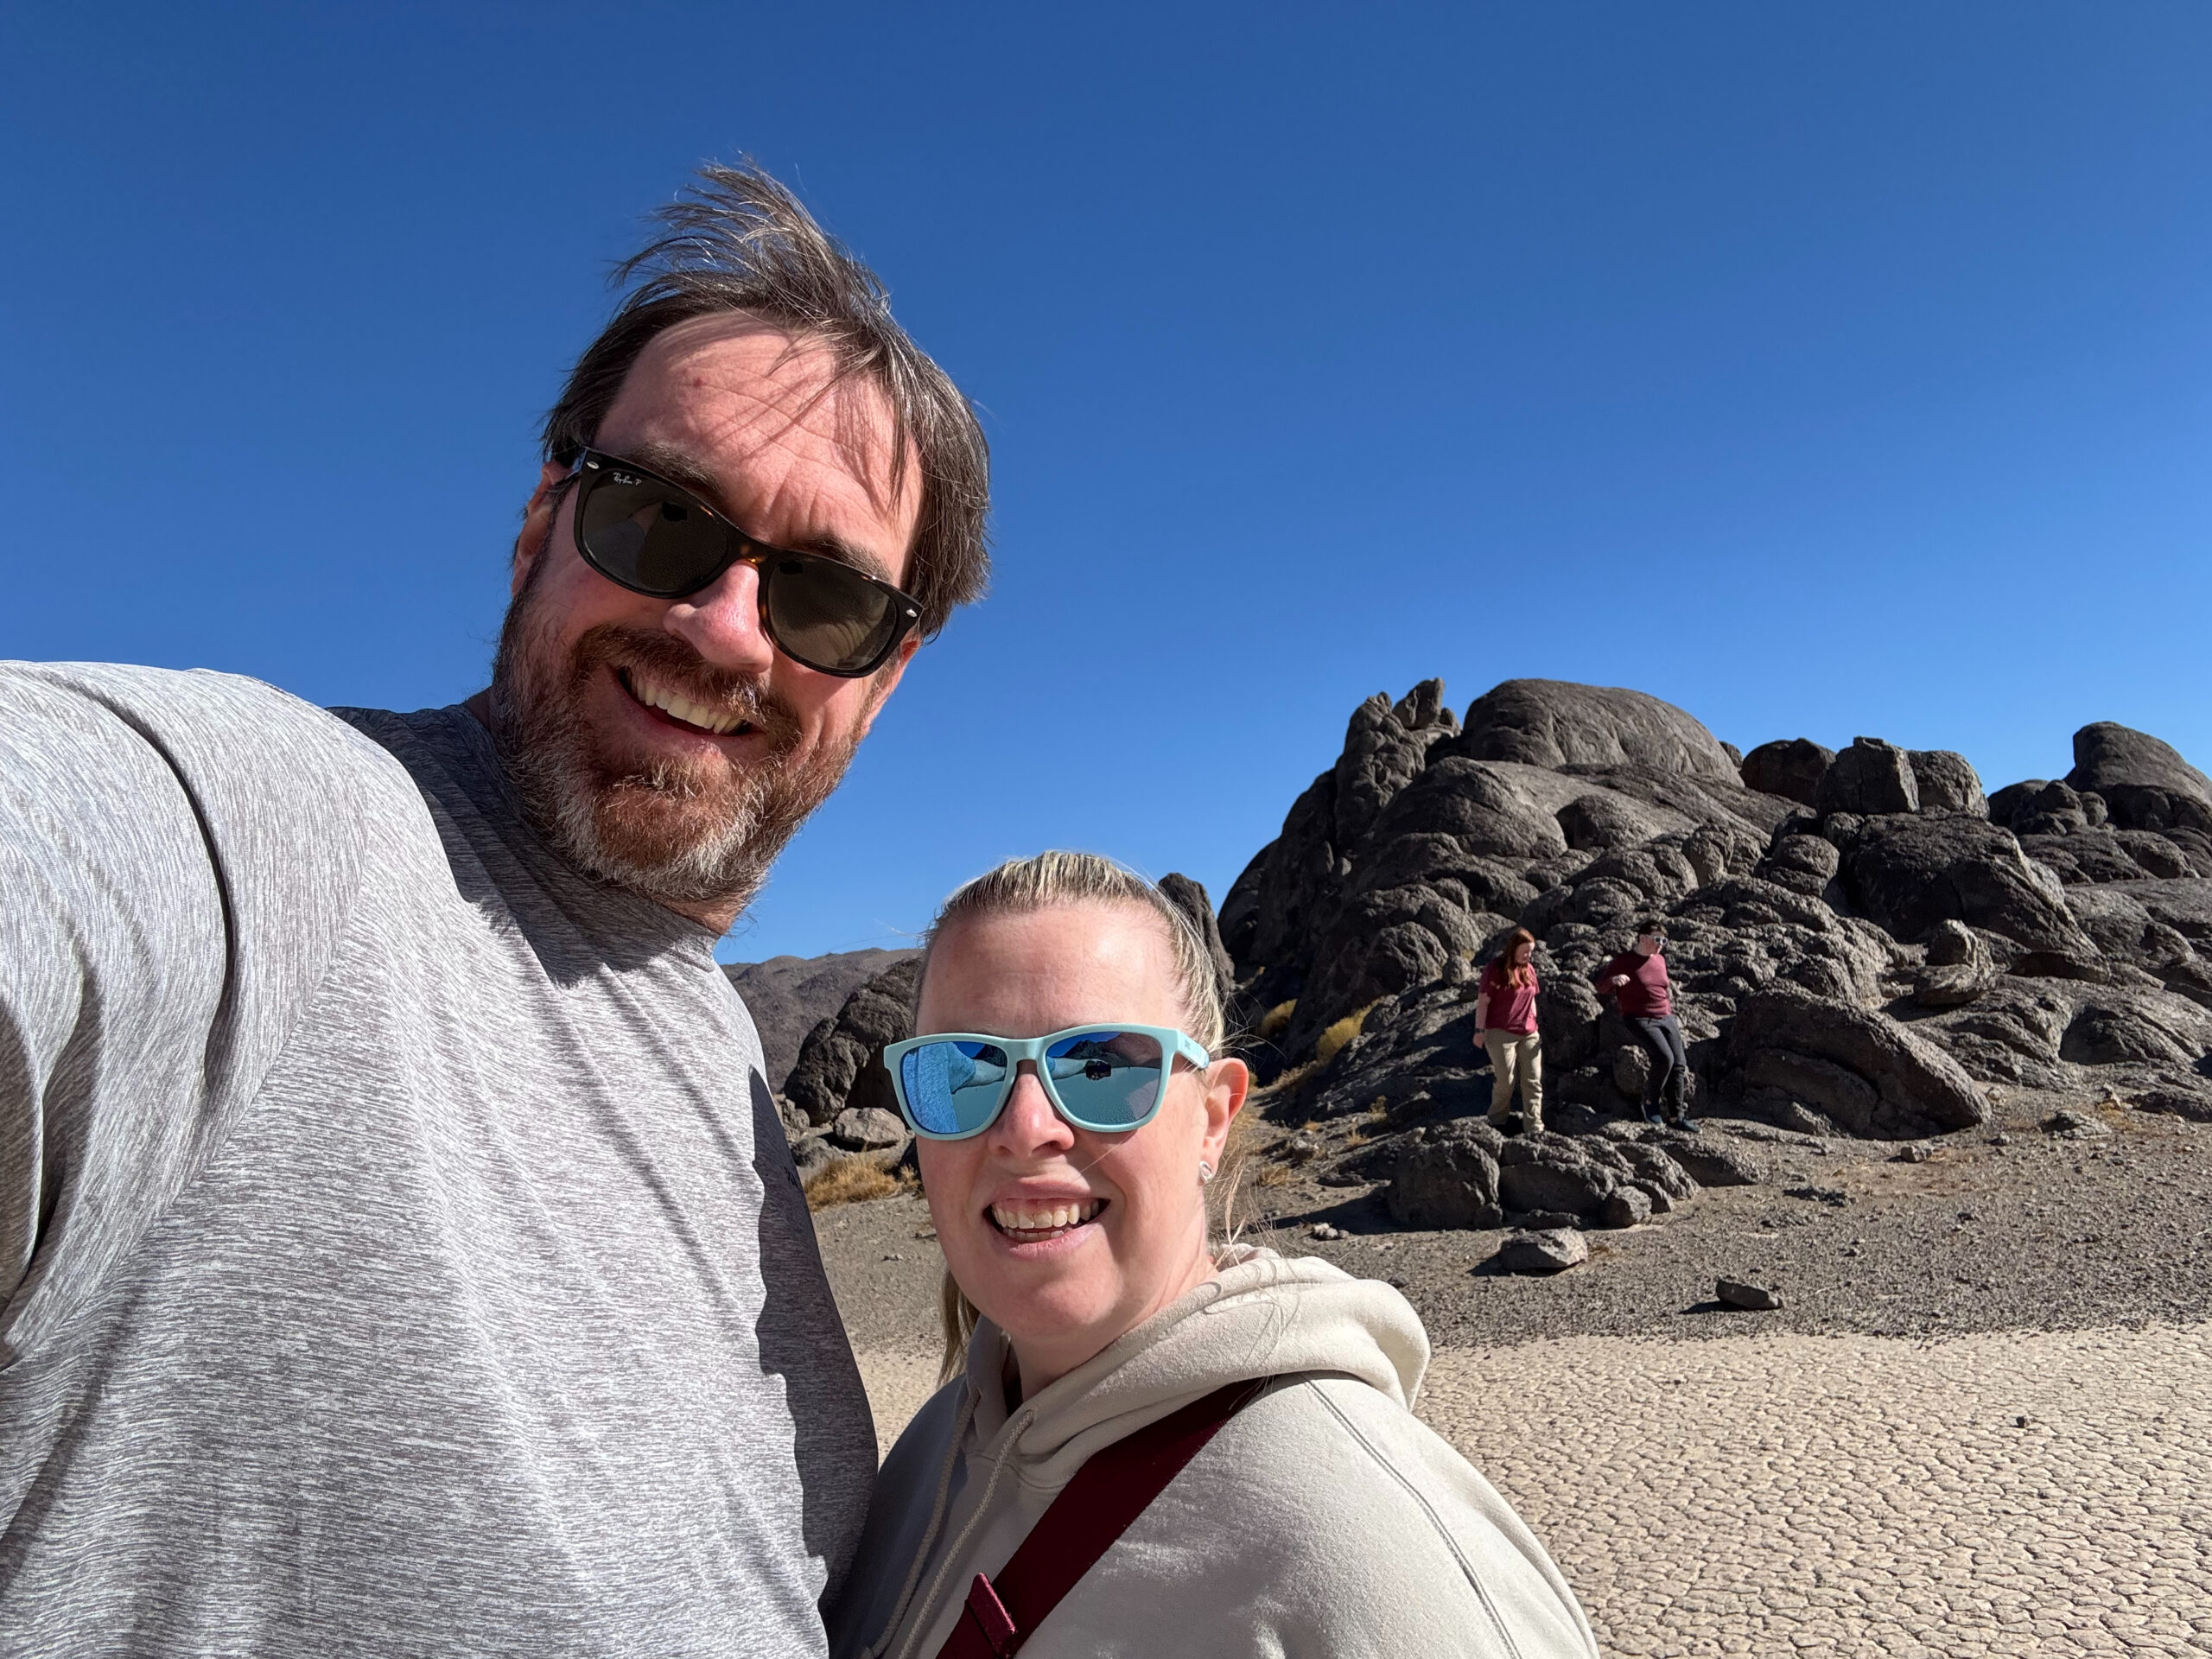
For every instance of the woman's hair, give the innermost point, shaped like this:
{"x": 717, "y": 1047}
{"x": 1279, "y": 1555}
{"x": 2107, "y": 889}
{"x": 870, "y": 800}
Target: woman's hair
{"x": 1510, "y": 972}
{"x": 1048, "y": 881}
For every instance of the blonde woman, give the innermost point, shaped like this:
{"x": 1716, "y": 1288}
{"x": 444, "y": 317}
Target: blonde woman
{"x": 1505, "y": 1014}
{"x": 1148, "y": 1444}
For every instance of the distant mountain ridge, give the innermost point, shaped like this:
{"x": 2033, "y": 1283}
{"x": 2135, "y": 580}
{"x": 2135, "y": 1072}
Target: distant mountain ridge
{"x": 788, "y": 995}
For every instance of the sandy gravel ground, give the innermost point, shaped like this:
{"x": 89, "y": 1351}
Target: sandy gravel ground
{"x": 2008, "y": 1493}
{"x": 1849, "y": 1477}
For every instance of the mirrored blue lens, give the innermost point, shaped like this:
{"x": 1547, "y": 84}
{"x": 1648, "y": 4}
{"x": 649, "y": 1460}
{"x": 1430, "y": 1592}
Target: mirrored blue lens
{"x": 953, "y": 1087}
{"x": 1107, "y": 1079}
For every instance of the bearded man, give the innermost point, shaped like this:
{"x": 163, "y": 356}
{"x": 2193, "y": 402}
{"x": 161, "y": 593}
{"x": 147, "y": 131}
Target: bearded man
{"x": 399, "y": 1251}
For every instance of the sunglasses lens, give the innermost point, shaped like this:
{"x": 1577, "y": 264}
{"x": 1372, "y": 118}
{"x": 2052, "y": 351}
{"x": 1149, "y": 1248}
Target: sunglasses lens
{"x": 827, "y": 616}
{"x": 1107, "y": 1079}
{"x": 644, "y": 538}
{"x": 953, "y": 1087}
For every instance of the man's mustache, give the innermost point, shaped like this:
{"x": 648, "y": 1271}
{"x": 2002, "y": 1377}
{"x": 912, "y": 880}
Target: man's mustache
{"x": 666, "y": 658}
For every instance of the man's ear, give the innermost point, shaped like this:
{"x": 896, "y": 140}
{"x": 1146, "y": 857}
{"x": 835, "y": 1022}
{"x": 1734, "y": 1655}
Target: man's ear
{"x": 536, "y": 531}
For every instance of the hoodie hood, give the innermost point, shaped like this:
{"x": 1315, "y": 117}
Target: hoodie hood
{"x": 1262, "y": 1315}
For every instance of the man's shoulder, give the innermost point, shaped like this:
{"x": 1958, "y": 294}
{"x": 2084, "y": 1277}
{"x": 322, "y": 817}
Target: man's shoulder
{"x": 213, "y": 729}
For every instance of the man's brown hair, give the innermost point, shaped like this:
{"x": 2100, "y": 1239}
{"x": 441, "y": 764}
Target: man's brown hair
{"x": 738, "y": 241}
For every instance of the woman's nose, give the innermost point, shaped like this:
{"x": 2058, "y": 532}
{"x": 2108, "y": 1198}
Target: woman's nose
{"x": 1029, "y": 1125}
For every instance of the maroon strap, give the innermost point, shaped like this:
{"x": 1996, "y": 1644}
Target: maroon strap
{"x": 1092, "y": 1510}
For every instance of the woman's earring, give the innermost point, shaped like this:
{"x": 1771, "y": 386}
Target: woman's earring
{"x": 1205, "y": 1172}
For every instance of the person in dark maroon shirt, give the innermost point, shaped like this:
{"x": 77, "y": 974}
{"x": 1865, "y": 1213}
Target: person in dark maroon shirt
{"x": 1636, "y": 981}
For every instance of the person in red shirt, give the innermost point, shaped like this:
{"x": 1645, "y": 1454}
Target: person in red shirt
{"x": 1505, "y": 1014}
{"x": 1636, "y": 981}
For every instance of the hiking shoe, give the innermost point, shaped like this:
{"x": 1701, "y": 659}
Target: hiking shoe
{"x": 1651, "y": 1115}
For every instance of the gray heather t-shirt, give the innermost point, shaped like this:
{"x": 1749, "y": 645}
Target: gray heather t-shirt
{"x": 400, "y": 1252}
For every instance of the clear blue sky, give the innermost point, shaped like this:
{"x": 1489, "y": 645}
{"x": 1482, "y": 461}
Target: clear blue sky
{"x": 1824, "y": 370}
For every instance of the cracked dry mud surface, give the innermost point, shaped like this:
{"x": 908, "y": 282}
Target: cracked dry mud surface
{"x": 1848, "y": 1475}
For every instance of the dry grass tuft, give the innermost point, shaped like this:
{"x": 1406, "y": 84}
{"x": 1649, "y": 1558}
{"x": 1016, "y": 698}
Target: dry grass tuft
{"x": 1272, "y": 1175}
{"x": 1337, "y": 1035}
{"x": 855, "y": 1180}
{"x": 1276, "y": 1020}
{"x": 1288, "y": 1081}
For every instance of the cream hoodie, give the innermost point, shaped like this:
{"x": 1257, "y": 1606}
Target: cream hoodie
{"x": 1323, "y": 1519}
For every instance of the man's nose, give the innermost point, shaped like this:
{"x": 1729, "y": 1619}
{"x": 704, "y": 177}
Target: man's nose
{"x": 1029, "y": 1125}
{"x": 723, "y": 623}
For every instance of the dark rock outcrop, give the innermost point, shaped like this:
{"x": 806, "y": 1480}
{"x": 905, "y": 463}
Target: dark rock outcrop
{"x": 1856, "y": 1066}
{"x": 1558, "y": 725}
{"x": 1947, "y": 782}
{"x": 1791, "y": 767}
{"x": 1871, "y": 776}
{"x": 1908, "y": 874}
{"x": 788, "y": 996}
{"x": 2144, "y": 783}
{"x": 840, "y": 1064}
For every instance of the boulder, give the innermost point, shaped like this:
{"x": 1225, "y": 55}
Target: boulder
{"x": 1555, "y": 723}
{"x": 1756, "y": 1299}
{"x": 1803, "y": 863}
{"x": 1711, "y": 1161}
{"x": 2009, "y": 1034}
{"x": 1960, "y": 967}
{"x": 840, "y": 1064}
{"x": 1552, "y": 1249}
{"x": 2053, "y": 810}
{"x": 1633, "y": 1069}
{"x": 1870, "y": 1075}
{"x": 1601, "y": 821}
{"x": 2114, "y": 1026}
{"x": 1552, "y": 1171}
{"x": 2144, "y": 783}
{"x": 1382, "y": 754}
{"x": 1947, "y": 782}
{"x": 1790, "y": 767}
{"x": 1654, "y": 1174}
{"x": 2009, "y": 802}
{"x": 1627, "y": 1206}
{"x": 812, "y": 1155}
{"x": 1907, "y": 874}
{"x": 1448, "y": 1176}
{"x": 1870, "y": 777}
{"x": 868, "y": 1128}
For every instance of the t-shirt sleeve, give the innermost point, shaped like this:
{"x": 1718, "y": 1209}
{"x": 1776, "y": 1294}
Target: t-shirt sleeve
{"x": 170, "y": 891}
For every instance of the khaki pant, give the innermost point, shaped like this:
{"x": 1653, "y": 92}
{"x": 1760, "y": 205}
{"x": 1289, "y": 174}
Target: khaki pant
{"x": 1516, "y": 1057}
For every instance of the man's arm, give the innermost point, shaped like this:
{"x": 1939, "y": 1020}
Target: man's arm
{"x": 149, "y": 962}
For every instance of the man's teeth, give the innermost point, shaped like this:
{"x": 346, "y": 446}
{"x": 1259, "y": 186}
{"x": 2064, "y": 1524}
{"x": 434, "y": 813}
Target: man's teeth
{"x": 1052, "y": 1218}
{"x": 669, "y": 701}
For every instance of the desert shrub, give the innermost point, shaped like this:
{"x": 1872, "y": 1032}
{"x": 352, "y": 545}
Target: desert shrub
{"x": 1276, "y": 1020}
{"x": 854, "y": 1180}
{"x": 1339, "y": 1034}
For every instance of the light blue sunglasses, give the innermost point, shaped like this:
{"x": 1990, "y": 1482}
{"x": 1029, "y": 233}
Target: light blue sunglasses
{"x": 1105, "y": 1078}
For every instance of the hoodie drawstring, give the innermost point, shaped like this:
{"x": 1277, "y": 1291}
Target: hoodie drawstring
{"x": 936, "y": 1517}
{"x": 1014, "y": 1431}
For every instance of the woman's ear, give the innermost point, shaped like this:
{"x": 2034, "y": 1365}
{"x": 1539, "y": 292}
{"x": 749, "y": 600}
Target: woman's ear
{"x": 1227, "y": 1084}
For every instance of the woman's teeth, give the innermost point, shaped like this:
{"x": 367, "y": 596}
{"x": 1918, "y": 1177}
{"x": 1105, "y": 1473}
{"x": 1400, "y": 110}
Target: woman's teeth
{"x": 1026, "y": 1224}
{"x": 670, "y": 701}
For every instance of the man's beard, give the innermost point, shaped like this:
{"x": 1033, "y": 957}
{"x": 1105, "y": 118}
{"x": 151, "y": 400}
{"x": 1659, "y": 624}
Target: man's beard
{"x": 680, "y": 832}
